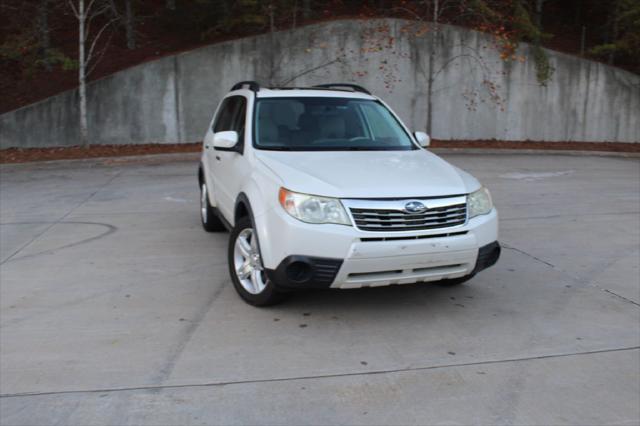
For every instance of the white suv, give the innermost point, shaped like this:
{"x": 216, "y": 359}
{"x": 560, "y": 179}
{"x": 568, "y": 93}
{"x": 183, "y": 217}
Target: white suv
{"x": 324, "y": 187}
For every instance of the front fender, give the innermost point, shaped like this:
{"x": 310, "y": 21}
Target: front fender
{"x": 261, "y": 197}
{"x": 260, "y": 193}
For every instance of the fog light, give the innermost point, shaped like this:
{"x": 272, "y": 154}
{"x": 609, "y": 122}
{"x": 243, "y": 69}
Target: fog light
{"x": 299, "y": 272}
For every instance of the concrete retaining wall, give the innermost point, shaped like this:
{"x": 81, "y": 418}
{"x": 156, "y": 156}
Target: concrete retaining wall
{"x": 476, "y": 95}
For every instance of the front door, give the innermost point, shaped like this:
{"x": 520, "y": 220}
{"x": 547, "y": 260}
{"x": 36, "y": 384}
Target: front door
{"x": 228, "y": 166}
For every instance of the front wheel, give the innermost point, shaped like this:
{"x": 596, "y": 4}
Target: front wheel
{"x": 246, "y": 269}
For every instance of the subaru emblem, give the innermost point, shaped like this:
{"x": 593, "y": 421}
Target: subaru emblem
{"x": 414, "y": 207}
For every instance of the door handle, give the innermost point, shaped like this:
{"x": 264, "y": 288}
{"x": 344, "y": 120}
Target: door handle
{"x": 218, "y": 157}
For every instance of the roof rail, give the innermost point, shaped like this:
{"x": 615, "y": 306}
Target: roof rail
{"x": 354, "y": 87}
{"x": 253, "y": 85}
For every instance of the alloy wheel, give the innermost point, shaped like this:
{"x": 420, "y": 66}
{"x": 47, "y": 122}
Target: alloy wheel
{"x": 203, "y": 202}
{"x": 248, "y": 263}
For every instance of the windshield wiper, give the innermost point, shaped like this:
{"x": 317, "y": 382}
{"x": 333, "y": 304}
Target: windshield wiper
{"x": 359, "y": 148}
{"x": 276, "y": 148}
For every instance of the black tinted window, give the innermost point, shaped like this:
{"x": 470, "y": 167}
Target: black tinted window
{"x": 223, "y": 120}
{"x": 231, "y": 115}
{"x": 240, "y": 112}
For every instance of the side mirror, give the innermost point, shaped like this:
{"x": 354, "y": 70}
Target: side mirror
{"x": 422, "y": 138}
{"x": 225, "y": 140}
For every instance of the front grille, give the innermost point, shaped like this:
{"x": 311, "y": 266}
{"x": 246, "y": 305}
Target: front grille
{"x": 384, "y": 220}
{"x": 413, "y": 237}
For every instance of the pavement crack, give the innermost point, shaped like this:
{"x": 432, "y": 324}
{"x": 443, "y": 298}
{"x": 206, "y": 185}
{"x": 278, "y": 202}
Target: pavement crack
{"x": 110, "y": 230}
{"x": 621, "y": 297}
{"x": 574, "y": 279}
{"x": 35, "y": 238}
{"x": 167, "y": 369}
{"x": 321, "y": 376}
{"x": 529, "y": 255}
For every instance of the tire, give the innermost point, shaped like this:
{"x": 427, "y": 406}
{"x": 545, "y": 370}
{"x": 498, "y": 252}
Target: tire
{"x": 244, "y": 258}
{"x": 210, "y": 220}
{"x": 455, "y": 281}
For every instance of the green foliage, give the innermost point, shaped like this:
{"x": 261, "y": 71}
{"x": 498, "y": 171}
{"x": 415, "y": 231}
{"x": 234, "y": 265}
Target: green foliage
{"x": 207, "y": 19}
{"x": 23, "y": 48}
{"x": 57, "y": 57}
{"x": 527, "y": 30}
{"x": 523, "y": 24}
{"x": 511, "y": 22}
{"x": 625, "y": 24}
{"x": 16, "y": 46}
{"x": 248, "y": 14}
{"x": 483, "y": 11}
{"x": 544, "y": 69}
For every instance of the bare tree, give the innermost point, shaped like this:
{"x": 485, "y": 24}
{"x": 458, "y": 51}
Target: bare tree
{"x": 613, "y": 32}
{"x": 88, "y": 58}
{"x": 436, "y": 8}
{"x": 294, "y": 15}
{"x": 129, "y": 24}
{"x": 432, "y": 58}
{"x": 430, "y": 21}
{"x": 270, "y": 9}
{"x": 126, "y": 19}
{"x": 44, "y": 33}
{"x": 538, "y": 14}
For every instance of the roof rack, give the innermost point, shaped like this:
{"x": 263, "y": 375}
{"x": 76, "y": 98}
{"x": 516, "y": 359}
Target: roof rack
{"x": 253, "y": 85}
{"x": 354, "y": 87}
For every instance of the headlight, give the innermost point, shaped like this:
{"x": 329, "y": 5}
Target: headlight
{"x": 479, "y": 202}
{"x": 312, "y": 208}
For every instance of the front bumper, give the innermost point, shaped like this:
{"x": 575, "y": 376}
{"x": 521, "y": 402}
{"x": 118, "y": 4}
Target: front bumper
{"x": 304, "y": 272}
{"x": 339, "y": 256}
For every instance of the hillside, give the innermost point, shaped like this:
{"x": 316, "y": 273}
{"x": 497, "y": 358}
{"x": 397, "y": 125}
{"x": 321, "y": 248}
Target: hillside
{"x": 159, "y": 30}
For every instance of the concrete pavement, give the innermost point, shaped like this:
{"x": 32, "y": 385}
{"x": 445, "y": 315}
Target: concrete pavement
{"x": 116, "y": 308}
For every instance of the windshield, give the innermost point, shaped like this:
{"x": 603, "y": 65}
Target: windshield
{"x": 327, "y": 124}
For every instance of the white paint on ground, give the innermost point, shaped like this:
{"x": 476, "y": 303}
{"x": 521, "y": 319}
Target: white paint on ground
{"x": 533, "y": 176}
{"x": 175, "y": 199}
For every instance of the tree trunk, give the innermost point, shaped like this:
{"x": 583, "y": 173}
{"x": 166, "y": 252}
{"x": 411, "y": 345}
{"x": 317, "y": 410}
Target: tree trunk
{"x": 306, "y": 9}
{"x": 432, "y": 58}
{"x": 129, "y": 24}
{"x": 84, "y": 127}
{"x": 614, "y": 32}
{"x": 272, "y": 25}
{"x": 272, "y": 34}
{"x": 295, "y": 14}
{"x": 538, "y": 15}
{"x": 43, "y": 33}
{"x": 170, "y": 4}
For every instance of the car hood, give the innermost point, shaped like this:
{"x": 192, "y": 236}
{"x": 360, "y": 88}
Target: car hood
{"x": 368, "y": 174}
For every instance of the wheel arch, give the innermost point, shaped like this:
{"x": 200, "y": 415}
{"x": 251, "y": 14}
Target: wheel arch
{"x": 243, "y": 208}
